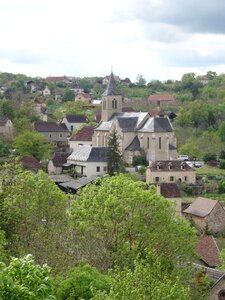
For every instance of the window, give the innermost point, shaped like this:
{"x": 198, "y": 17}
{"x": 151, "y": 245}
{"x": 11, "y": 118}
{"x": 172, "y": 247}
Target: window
{"x": 98, "y": 169}
{"x": 185, "y": 178}
{"x": 171, "y": 178}
{"x": 104, "y": 169}
{"x": 71, "y": 128}
{"x": 60, "y": 135}
{"x": 160, "y": 143}
{"x": 50, "y": 135}
{"x": 156, "y": 179}
{"x": 114, "y": 103}
{"x": 147, "y": 142}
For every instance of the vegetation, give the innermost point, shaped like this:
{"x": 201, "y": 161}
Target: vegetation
{"x": 114, "y": 157}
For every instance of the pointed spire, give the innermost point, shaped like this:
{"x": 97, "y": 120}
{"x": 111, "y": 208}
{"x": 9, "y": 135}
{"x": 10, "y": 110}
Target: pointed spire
{"x": 111, "y": 87}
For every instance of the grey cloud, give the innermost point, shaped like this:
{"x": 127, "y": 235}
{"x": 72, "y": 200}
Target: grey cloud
{"x": 202, "y": 16}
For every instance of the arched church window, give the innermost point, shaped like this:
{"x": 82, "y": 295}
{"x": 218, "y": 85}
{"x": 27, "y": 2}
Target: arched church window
{"x": 114, "y": 103}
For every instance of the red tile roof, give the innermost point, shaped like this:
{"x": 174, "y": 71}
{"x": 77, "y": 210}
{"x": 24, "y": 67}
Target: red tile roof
{"x": 157, "y": 111}
{"x": 161, "y": 97}
{"x": 208, "y": 251}
{"x": 59, "y": 158}
{"x": 30, "y": 163}
{"x": 56, "y": 78}
{"x": 170, "y": 190}
{"x": 85, "y": 134}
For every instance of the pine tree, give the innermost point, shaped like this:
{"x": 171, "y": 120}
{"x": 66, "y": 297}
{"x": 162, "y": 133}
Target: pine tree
{"x": 114, "y": 157}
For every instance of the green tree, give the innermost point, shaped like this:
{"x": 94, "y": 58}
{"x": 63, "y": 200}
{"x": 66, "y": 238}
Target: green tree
{"x": 221, "y": 131}
{"x": 23, "y": 279}
{"x": 140, "y": 80}
{"x": 150, "y": 279}
{"x": 114, "y": 158}
{"x": 118, "y": 218}
{"x": 6, "y": 109}
{"x": 80, "y": 281}
{"x": 33, "y": 143}
{"x": 68, "y": 96}
{"x": 36, "y": 220}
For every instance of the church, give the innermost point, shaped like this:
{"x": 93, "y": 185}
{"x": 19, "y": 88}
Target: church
{"x": 138, "y": 132}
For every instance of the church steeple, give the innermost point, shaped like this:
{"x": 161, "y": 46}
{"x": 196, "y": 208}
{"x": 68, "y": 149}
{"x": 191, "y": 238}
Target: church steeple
{"x": 111, "y": 99}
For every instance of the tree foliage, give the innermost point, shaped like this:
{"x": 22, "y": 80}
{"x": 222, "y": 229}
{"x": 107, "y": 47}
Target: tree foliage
{"x": 23, "y": 279}
{"x": 33, "y": 143}
{"x": 117, "y": 218}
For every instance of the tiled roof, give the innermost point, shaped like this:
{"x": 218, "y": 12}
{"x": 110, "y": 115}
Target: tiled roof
{"x": 201, "y": 207}
{"x": 30, "y": 163}
{"x": 161, "y": 97}
{"x": 61, "y": 178}
{"x": 49, "y": 127}
{"x": 84, "y": 134}
{"x": 84, "y": 95}
{"x": 170, "y": 190}
{"x": 134, "y": 145}
{"x": 55, "y": 78}
{"x": 59, "y": 158}
{"x": 89, "y": 154}
{"x": 3, "y": 121}
{"x": 157, "y": 111}
{"x": 74, "y": 118}
{"x": 208, "y": 251}
{"x": 157, "y": 124}
{"x": 169, "y": 165}
{"x": 111, "y": 88}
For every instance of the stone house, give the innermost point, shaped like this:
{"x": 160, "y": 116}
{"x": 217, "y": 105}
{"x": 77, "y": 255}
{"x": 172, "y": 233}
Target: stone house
{"x": 74, "y": 121}
{"x": 85, "y": 97}
{"x": 54, "y": 132}
{"x": 6, "y": 128}
{"x": 206, "y": 214}
{"x": 83, "y": 137}
{"x": 89, "y": 161}
{"x": 170, "y": 171}
{"x": 55, "y": 165}
{"x": 138, "y": 133}
{"x": 40, "y": 110}
{"x": 30, "y": 163}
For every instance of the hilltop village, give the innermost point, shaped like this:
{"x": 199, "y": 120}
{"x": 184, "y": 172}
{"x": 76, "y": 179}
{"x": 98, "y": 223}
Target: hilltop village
{"x": 140, "y": 158}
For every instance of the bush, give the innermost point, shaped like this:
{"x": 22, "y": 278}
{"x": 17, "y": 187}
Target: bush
{"x": 221, "y": 186}
{"x": 222, "y": 164}
{"x": 139, "y": 161}
{"x": 209, "y": 156}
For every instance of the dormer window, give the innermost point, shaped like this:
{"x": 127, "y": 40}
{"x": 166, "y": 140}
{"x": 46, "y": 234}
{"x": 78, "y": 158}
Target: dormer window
{"x": 182, "y": 166}
{"x": 158, "y": 166}
{"x": 170, "y": 166}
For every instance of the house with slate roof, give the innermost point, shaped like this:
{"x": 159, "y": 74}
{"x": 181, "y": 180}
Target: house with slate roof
{"x": 82, "y": 137}
{"x": 206, "y": 214}
{"x": 54, "y": 132}
{"x": 89, "y": 161}
{"x": 138, "y": 132}
{"x": 170, "y": 171}
{"x": 74, "y": 121}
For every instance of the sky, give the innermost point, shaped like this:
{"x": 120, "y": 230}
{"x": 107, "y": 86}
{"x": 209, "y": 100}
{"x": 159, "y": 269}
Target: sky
{"x": 159, "y": 39}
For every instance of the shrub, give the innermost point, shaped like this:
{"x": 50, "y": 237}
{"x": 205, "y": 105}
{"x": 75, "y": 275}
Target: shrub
{"x": 139, "y": 161}
{"x": 209, "y": 156}
{"x": 222, "y": 164}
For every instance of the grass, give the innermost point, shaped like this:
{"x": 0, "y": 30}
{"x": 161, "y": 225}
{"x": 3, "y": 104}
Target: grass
{"x": 210, "y": 171}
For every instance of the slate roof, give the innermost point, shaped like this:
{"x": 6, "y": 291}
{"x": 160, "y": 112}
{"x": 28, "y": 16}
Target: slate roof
{"x": 111, "y": 89}
{"x": 128, "y": 124}
{"x": 75, "y": 118}
{"x": 208, "y": 251}
{"x": 134, "y": 145}
{"x": 169, "y": 165}
{"x": 49, "y": 127}
{"x": 157, "y": 124}
{"x": 61, "y": 178}
{"x": 30, "y": 163}
{"x": 161, "y": 97}
{"x": 201, "y": 207}
{"x": 59, "y": 158}
{"x": 89, "y": 154}
{"x": 84, "y": 134}
{"x": 76, "y": 184}
{"x": 127, "y": 109}
{"x": 170, "y": 190}
{"x": 3, "y": 121}
{"x": 171, "y": 147}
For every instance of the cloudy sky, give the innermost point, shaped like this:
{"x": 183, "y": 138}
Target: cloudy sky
{"x": 159, "y": 39}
